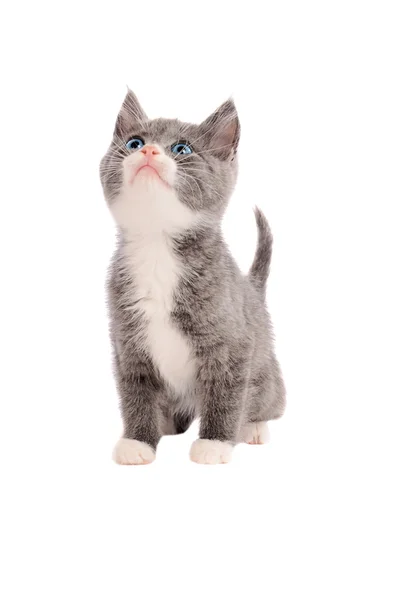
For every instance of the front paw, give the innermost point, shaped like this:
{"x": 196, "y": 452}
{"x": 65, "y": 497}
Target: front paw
{"x": 211, "y": 452}
{"x": 133, "y": 452}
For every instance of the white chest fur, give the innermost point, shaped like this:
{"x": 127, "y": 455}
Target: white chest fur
{"x": 156, "y": 272}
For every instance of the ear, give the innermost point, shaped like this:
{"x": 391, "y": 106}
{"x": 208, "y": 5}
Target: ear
{"x": 130, "y": 113}
{"x": 222, "y": 129}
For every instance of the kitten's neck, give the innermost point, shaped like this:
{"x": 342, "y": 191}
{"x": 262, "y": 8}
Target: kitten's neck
{"x": 200, "y": 243}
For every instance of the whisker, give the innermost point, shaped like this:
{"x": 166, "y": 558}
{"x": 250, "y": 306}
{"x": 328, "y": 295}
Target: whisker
{"x": 184, "y": 178}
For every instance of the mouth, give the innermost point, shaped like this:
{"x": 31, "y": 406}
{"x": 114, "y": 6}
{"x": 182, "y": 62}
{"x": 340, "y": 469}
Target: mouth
{"x": 150, "y": 171}
{"x": 148, "y": 168}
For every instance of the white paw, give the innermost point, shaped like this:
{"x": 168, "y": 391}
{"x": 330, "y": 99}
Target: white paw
{"x": 255, "y": 433}
{"x": 211, "y": 452}
{"x": 132, "y": 452}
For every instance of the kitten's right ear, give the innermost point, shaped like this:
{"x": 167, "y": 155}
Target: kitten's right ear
{"x": 131, "y": 113}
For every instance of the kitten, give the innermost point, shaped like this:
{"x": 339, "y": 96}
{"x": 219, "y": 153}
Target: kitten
{"x": 191, "y": 334}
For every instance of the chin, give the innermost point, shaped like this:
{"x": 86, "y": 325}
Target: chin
{"x": 149, "y": 204}
{"x": 150, "y": 175}
{"x": 162, "y": 169}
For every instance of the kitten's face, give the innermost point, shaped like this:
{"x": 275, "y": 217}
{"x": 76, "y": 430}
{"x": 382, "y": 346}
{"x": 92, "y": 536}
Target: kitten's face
{"x": 166, "y": 174}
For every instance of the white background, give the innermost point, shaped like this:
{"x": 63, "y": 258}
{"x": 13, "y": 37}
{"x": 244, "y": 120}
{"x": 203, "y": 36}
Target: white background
{"x": 311, "y": 515}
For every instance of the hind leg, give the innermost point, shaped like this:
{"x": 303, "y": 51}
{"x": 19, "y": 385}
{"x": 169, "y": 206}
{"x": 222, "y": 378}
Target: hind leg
{"x": 255, "y": 432}
{"x": 176, "y": 418}
{"x": 266, "y": 401}
{"x": 177, "y": 423}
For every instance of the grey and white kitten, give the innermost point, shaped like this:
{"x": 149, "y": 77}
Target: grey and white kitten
{"x": 191, "y": 334}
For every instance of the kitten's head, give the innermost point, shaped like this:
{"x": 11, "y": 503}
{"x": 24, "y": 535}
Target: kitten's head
{"x": 165, "y": 174}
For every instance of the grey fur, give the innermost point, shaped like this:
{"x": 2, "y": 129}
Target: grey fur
{"x": 218, "y": 309}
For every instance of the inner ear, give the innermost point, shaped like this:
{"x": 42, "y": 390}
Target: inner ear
{"x": 131, "y": 113}
{"x": 222, "y": 131}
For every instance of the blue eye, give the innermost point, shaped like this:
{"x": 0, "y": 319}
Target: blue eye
{"x": 181, "y": 148}
{"x": 135, "y": 144}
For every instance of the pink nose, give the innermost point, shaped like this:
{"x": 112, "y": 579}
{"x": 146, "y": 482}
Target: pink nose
{"x": 150, "y": 150}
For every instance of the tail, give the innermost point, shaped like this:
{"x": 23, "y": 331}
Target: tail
{"x": 260, "y": 267}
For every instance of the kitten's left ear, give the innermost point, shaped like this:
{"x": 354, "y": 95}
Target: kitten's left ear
{"x": 131, "y": 113}
{"x": 222, "y": 130}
